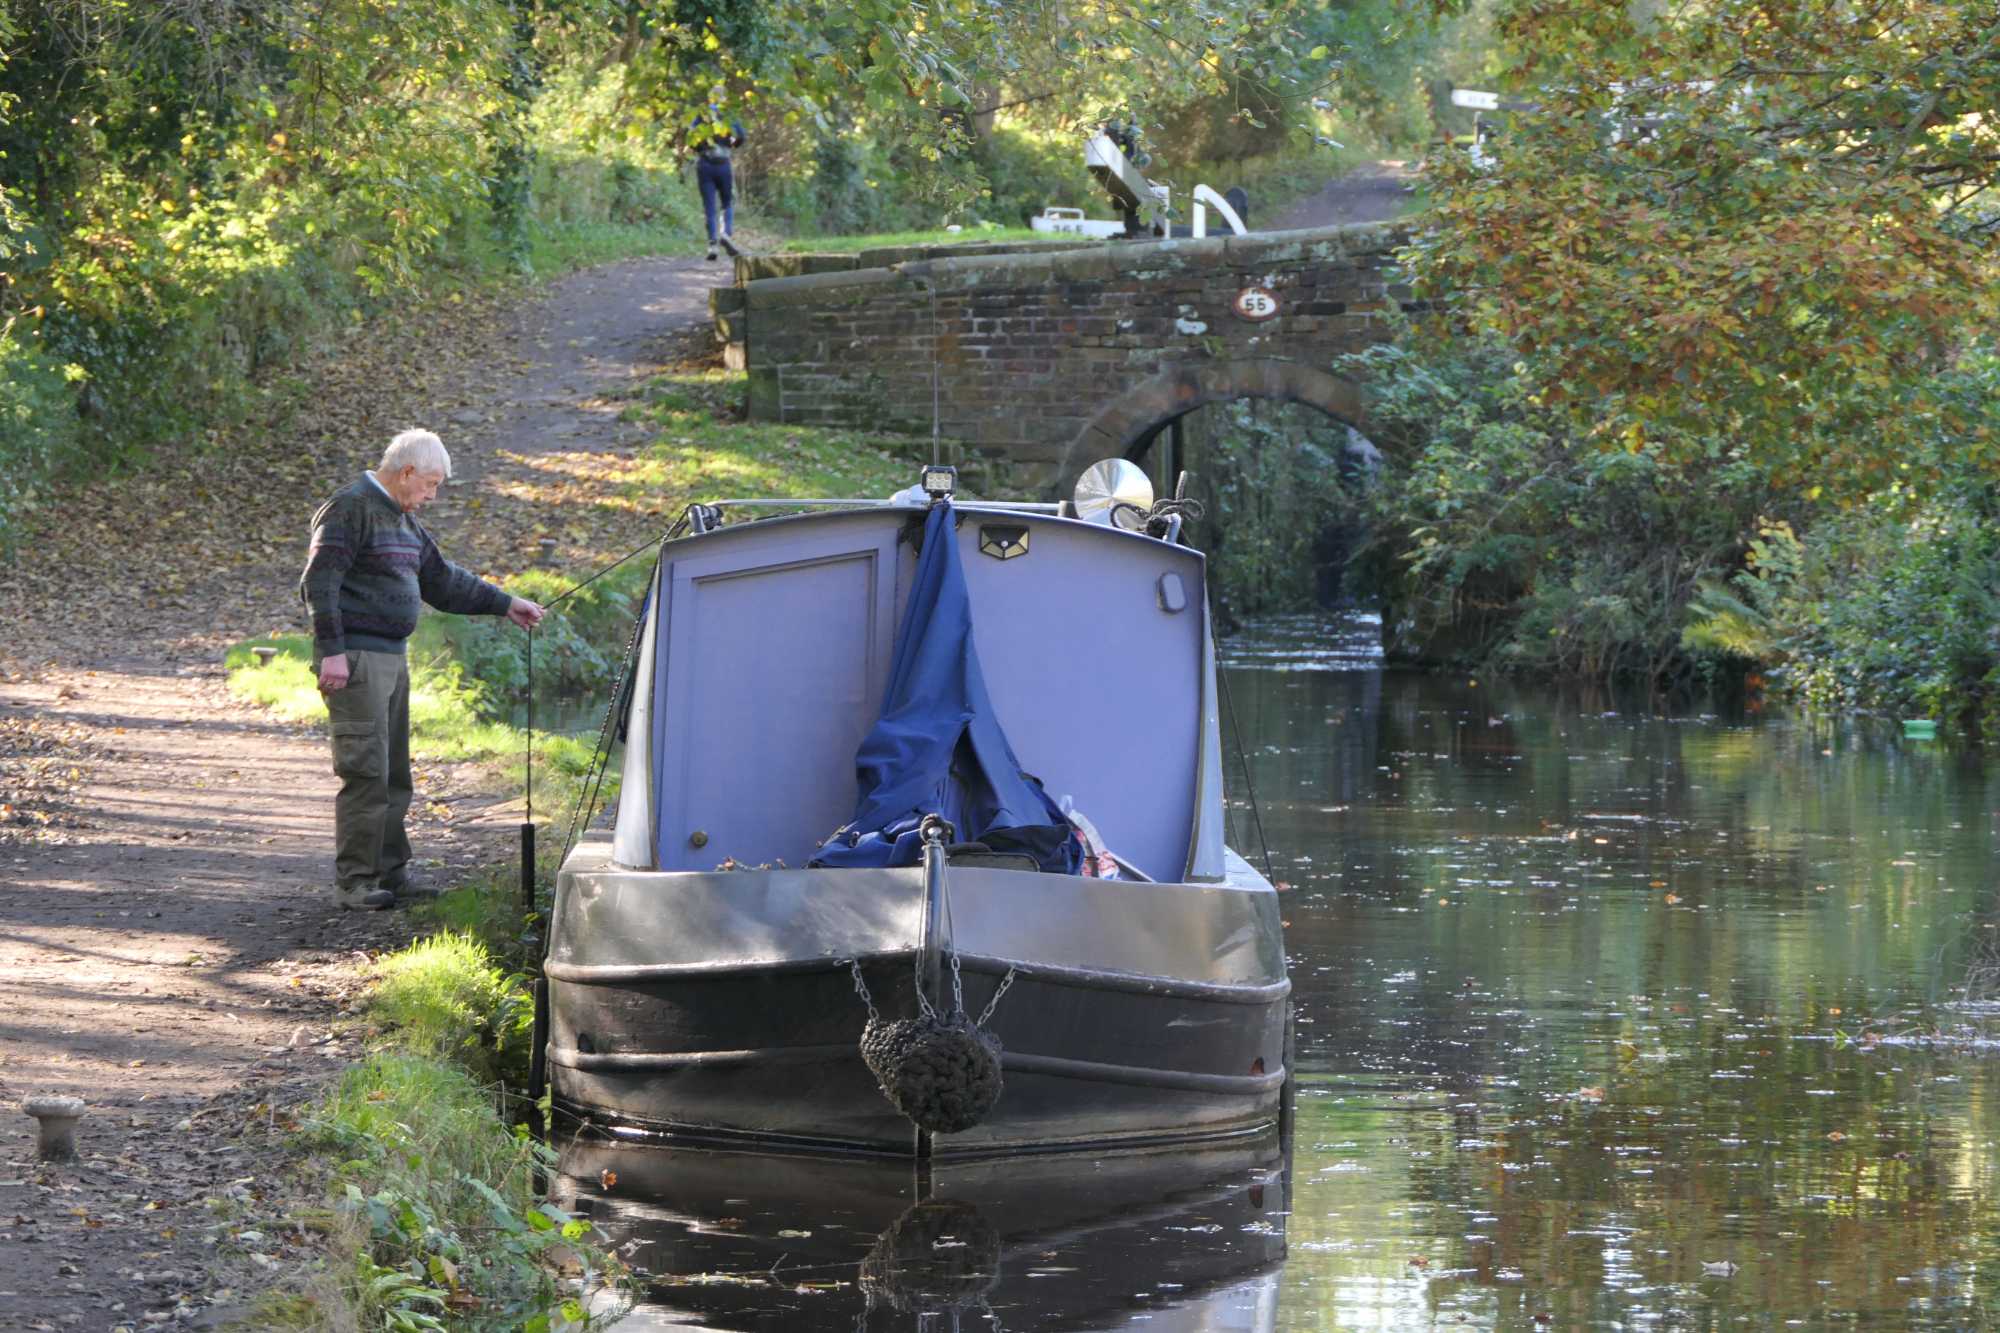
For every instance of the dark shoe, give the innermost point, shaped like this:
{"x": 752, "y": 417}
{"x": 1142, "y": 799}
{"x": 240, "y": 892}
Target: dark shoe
{"x": 408, "y": 890}
{"x": 371, "y": 899}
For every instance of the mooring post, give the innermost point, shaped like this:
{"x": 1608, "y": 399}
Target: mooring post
{"x": 56, "y": 1119}
{"x": 538, "y": 1062}
{"x": 528, "y": 866}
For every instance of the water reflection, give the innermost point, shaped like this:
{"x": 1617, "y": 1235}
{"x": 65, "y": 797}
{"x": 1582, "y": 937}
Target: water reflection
{"x": 1166, "y": 1241}
{"x": 1619, "y": 1021}
{"x": 1607, "y": 1020}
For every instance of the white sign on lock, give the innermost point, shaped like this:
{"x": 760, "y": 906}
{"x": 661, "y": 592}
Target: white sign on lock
{"x": 1256, "y": 304}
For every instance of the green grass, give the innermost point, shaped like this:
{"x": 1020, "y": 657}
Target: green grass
{"x": 581, "y": 245}
{"x": 404, "y": 1103}
{"x": 443, "y": 996}
{"x": 985, "y": 234}
{"x": 701, "y": 450}
{"x": 439, "y": 1222}
{"x": 451, "y": 717}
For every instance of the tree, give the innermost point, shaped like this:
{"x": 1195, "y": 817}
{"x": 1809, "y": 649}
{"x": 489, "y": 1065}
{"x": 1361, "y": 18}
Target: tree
{"x": 1073, "y": 58}
{"x": 1739, "y": 228}
{"x": 10, "y": 222}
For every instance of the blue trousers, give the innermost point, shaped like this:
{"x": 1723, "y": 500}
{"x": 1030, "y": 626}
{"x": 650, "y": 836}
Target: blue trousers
{"x": 718, "y": 191}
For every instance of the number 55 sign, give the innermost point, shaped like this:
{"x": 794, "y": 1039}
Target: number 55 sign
{"x": 1256, "y": 304}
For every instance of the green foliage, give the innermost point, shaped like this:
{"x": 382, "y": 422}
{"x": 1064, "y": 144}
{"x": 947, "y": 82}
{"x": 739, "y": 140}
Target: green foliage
{"x": 37, "y": 424}
{"x": 823, "y": 63}
{"x": 1272, "y": 474}
{"x": 1739, "y": 617}
{"x": 191, "y": 202}
{"x": 452, "y": 1231}
{"x": 1890, "y": 607}
{"x": 1500, "y": 536}
{"x": 1503, "y": 536}
{"x": 576, "y": 651}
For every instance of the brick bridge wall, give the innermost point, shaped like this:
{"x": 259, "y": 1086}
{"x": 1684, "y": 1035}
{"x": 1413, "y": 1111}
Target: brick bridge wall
{"x": 1043, "y": 362}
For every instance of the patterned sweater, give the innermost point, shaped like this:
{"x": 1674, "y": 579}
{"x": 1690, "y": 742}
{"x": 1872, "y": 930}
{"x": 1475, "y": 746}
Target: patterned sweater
{"x": 372, "y": 566}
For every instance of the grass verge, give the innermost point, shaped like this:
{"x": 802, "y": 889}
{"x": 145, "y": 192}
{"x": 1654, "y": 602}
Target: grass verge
{"x": 438, "y": 1221}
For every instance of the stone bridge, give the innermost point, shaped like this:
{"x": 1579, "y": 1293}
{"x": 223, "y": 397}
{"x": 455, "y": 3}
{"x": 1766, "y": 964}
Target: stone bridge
{"x": 1041, "y": 362}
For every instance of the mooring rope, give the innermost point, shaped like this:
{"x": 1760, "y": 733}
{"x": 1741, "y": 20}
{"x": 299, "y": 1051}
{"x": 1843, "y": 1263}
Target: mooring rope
{"x": 1249, "y": 784}
{"x": 550, "y": 605}
{"x": 601, "y": 756}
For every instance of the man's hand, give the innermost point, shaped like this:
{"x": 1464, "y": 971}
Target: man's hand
{"x": 524, "y": 613}
{"x": 333, "y": 673}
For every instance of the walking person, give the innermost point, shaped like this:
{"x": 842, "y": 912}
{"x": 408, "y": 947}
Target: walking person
{"x": 370, "y": 570}
{"x": 713, "y": 173}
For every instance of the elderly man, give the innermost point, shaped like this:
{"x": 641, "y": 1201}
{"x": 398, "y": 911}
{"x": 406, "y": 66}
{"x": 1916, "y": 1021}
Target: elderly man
{"x": 371, "y": 567}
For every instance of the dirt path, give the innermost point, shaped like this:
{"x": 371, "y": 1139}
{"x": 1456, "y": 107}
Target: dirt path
{"x": 1377, "y": 192}
{"x": 168, "y": 951}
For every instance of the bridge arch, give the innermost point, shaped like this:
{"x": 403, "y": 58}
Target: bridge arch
{"x": 1134, "y": 416}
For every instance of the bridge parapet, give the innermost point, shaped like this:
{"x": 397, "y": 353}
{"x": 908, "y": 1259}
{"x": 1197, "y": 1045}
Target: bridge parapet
{"x": 1042, "y": 361}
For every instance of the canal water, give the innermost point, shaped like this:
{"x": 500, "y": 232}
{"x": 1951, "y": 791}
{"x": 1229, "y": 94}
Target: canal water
{"x": 1609, "y": 1018}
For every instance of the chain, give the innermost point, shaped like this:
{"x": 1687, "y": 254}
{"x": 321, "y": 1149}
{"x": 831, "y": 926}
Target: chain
{"x": 957, "y": 987}
{"x": 994, "y": 1003}
{"x": 917, "y": 970}
{"x": 861, "y": 988}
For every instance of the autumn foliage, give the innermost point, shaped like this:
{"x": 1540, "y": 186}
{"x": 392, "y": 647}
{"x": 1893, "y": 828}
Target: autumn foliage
{"x": 1753, "y": 227}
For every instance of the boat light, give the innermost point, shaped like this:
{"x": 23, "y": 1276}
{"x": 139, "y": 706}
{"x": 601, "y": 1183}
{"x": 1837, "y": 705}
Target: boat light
{"x": 940, "y": 480}
{"x": 1116, "y": 492}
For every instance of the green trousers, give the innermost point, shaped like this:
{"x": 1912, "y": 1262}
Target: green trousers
{"x": 370, "y": 722}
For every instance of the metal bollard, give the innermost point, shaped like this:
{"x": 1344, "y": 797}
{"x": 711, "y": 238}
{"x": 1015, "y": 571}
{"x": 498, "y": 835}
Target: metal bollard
{"x": 57, "y": 1117}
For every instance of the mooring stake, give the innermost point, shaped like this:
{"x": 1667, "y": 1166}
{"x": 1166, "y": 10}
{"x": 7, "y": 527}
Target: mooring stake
{"x": 57, "y": 1117}
{"x": 528, "y": 866}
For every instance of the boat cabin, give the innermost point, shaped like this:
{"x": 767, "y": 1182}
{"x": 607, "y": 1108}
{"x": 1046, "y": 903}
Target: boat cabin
{"x": 766, "y": 651}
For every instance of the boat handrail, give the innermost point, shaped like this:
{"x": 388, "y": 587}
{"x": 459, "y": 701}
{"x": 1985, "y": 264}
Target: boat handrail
{"x": 1016, "y": 506}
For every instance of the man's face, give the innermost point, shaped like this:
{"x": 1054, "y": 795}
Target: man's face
{"x": 413, "y": 489}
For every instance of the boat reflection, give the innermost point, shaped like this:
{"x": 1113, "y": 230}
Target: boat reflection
{"x": 1174, "y": 1241}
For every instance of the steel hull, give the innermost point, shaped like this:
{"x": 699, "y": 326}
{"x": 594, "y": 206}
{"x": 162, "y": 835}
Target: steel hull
{"x": 722, "y": 1007}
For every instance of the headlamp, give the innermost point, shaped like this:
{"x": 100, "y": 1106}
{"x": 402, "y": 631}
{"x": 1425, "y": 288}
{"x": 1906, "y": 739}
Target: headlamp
{"x": 940, "y": 481}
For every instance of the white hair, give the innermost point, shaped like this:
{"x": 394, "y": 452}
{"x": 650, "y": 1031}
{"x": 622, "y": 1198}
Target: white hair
{"x": 418, "y": 449}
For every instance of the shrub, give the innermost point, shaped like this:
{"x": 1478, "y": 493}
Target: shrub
{"x": 37, "y": 426}
{"x": 1499, "y": 537}
{"x": 1273, "y": 476}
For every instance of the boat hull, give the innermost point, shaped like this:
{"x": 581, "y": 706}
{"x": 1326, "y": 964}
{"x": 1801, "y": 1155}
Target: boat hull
{"x": 1184, "y": 1238}
{"x": 724, "y": 1006}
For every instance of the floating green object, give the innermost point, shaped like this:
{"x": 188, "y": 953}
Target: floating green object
{"x": 1920, "y": 728}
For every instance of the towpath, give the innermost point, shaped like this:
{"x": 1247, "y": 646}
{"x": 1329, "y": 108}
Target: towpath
{"x": 168, "y": 951}
{"x": 1375, "y": 192}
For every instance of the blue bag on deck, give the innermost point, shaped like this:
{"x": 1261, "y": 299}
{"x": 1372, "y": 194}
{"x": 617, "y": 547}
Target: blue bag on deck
{"x": 938, "y": 748}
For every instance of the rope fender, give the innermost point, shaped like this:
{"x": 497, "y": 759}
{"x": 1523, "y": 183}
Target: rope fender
{"x": 941, "y": 1071}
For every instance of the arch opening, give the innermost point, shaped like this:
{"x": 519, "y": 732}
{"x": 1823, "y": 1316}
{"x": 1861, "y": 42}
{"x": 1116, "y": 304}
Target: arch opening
{"x": 1280, "y": 462}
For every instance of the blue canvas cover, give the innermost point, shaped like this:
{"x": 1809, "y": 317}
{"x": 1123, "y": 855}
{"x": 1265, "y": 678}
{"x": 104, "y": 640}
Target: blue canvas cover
{"x": 938, "y": 748}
